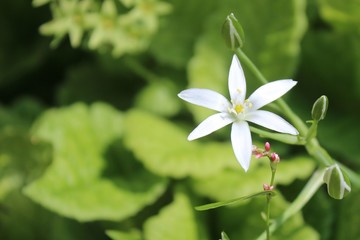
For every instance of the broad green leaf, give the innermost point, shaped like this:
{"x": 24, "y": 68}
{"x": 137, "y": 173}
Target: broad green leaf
{"x": 159, "y": 97}
{"x": 164, "y": 149}
{"x": 208, "y": 69}
{"x": 20, "y": 167}
{"x": 39, "y": 224}
{"x": 175, "y": 221}
{"x": 230, "y": 183}
{"x": 38, "y": 3}
{"x": 78, "y": 183}
{"x": 341, "y": 14}
{"x": 179, "y": 31}
{"x": 118, "y": 235}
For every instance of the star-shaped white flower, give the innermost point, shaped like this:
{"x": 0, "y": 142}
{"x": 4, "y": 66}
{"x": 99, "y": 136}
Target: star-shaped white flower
{"x": 239, "y": 111}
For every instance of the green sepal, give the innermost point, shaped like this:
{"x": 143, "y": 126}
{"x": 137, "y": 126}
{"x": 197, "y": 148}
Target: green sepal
{"x": 232, "y": 201}
{"x": 338, "y": 183}
{"x": 319, "y": 108}
{"x": 232, "y": 32}
{"x": 224, "y": 236}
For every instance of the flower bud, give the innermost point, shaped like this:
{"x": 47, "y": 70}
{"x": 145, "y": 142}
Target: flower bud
{"x": 338, "y": 184}
{"x": 267, "y": 146}
{"x": 267, "y": 187}
{"x": 319, "y": 108}
{"x": 233, "y": 32}
{"x": 224, "y": 236}
{"x": 275, "y": 157}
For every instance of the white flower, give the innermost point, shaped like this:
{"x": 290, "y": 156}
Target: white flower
{"x": 239, "y": 111}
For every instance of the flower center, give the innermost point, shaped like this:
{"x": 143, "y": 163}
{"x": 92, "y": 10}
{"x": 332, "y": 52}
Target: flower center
{"x": 238, "y": 108}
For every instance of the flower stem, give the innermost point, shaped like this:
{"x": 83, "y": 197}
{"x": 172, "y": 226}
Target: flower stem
{"x": 305, "y": 195}
{"x": 268, "y": 199}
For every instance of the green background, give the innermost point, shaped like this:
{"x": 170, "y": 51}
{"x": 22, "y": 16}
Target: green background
{"x": 93, "y": 136}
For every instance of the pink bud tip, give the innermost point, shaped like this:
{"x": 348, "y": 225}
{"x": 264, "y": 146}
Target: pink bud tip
{"x": 258, "y": 155}
{"x": 267, "y": 146}
{"x": 275, "y": 157}
{"x": 267, "y": 187}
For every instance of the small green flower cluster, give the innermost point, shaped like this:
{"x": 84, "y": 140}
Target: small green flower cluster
{"x": 119, "y": 26}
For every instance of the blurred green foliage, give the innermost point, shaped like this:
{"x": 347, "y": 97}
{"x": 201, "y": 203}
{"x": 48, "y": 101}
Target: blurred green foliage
{"x": 93, "y": 137}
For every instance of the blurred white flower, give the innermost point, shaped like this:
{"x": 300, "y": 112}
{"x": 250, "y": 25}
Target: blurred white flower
{"x": 239, "y": 110}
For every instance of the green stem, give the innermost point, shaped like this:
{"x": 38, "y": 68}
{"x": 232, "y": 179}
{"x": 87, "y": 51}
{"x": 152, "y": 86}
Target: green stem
{"x": 305, "y": 195}
{"x": 285, "y": 138}
{"x": 268, "y": 199}
{"x": 314, "y": 149}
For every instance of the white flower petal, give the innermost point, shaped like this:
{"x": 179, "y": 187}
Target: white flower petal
{"x": 242, "y": 143}
{"x": 271, "y": 121}
{"x": 209, "y": 125}
{"x": 205, "y": 98}
{"x": 270, "y": 92}
{"x": 237, "y": 83}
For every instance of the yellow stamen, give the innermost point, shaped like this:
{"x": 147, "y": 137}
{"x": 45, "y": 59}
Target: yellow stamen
{"x": 239, "y": 108}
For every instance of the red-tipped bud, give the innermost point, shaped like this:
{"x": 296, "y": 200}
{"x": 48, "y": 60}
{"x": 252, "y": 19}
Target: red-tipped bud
{"x": 267, "y": 146}
{"x": 274, "y": 157}
{"x": 267, "y": 187}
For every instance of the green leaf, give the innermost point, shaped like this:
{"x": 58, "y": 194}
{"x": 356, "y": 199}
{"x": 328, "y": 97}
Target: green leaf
{"x": 231, "y": 183}
{"x": 343, "y": 15}
{"x": 118, "y": 235}
{"x": 175, "y": 221}
{"x": 20, "y": 167}
{"x": 78, "y": 184}
{"x": 178, "y": 31}
{"x": 232, "y": 201}
{"x": 164, "y": 149}
{"x": 159, "y": 97}
{"x": 38, "y": 3}
{"x": 39, "y": 224}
